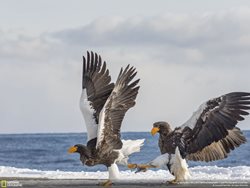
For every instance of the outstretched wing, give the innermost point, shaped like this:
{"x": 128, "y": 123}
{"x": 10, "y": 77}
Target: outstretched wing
{"x": 121, "y": 99}
{"x": 219, "y": 150}
{"x": 96, "y": 88}
{"x": 210, "y": 134}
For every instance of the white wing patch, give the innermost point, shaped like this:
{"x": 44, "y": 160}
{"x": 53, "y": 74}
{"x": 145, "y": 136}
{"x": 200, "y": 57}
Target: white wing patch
{"x": 193, "y": 119}
{"x": 88, "y": 115}
{"x": 101, "y": 126}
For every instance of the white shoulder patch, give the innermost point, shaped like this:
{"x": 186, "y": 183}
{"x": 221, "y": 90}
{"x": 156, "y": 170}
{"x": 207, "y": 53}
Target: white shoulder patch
{"x": 191, "y": 122}
{"x": 101, "y": 126}
{"x": 88, "y": 115}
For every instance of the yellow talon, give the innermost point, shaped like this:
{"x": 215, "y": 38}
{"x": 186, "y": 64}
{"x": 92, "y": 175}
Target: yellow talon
{"x": 107, "y": 183}
{"x": 131, "y": 166}
{"x": 174, "y": 181}
{"x": 143, "y": 166}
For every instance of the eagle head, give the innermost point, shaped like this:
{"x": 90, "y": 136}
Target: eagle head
{"x": 161, "y": 127}
{"x": 83, "y": 150}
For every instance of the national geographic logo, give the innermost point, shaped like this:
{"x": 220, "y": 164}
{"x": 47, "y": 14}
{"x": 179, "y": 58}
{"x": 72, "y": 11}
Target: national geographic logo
{"x": 5, "y": 183}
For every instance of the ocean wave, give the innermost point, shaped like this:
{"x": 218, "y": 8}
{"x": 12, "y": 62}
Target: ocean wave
{"x": 197, "y": 173}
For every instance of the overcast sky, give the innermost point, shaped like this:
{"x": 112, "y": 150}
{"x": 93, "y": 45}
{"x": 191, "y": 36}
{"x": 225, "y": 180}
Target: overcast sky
{"x": 186, "y": 52}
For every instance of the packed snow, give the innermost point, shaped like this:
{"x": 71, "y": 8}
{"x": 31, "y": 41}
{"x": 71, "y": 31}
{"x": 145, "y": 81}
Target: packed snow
{"x": 197, "y": 173}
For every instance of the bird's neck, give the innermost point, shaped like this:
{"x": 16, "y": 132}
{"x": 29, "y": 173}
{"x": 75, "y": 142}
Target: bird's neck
{"x": 164, "y": 134}
{"x": 85, "y": 152}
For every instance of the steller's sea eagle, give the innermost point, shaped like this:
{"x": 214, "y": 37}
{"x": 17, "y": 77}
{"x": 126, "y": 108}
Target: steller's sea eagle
{"x": 103, "y": 105}
{"x": 210, "y": 134}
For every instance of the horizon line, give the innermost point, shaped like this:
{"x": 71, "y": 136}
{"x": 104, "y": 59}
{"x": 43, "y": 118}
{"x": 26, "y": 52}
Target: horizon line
{"x": 78, "y": 132}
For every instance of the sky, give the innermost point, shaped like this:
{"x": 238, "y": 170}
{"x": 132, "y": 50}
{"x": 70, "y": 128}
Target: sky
{"x": 185, "y": 52}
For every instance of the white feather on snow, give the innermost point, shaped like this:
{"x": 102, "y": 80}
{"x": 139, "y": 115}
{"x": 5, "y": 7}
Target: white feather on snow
{"x": 197, "y": 173}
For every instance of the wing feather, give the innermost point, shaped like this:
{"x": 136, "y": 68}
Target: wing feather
{"x": 119, "y": 102}
{"x": 210, "y": 134}
{"x": 219, "y": 150}
{"x": 96, "y": 88}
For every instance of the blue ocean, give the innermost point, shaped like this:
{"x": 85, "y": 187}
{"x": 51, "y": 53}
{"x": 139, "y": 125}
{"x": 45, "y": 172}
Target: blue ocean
{"x": 49, "y": 152}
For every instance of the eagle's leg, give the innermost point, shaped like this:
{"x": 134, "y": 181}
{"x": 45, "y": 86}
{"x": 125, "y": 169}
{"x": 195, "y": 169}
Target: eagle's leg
{"x": 113, "y": 175}
{"x": 140, "y": 167}
{"x": 174, "y": 181}
{"x": 107, "y": 183}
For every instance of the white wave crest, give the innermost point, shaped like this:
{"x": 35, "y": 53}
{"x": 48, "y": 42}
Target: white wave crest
{"x": 197, "y": 173}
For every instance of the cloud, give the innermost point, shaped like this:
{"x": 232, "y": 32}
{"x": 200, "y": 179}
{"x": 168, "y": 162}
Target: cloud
{"x": 179, "y": 30}
{"x": 219, "y": 37}
{"x": 182, "y": 60}
{"x": 194, "y": 36}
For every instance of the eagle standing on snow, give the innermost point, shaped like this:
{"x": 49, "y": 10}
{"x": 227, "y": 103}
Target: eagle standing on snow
{"x": 210, "y": 134}
{"x": 103, "y": 105}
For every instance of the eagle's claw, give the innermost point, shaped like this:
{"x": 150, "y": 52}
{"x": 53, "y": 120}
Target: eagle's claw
{"x": 107, "y": 183}
{"x": 139, "y": 167}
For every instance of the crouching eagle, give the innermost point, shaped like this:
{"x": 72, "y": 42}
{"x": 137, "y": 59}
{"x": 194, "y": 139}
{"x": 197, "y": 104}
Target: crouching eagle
{"x": 103, "y": 105}
{"x": 210, "y": 134}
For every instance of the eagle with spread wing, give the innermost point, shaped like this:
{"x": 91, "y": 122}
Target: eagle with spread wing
{"x": 103, "y": 105}
{"x": 210, "y": 134}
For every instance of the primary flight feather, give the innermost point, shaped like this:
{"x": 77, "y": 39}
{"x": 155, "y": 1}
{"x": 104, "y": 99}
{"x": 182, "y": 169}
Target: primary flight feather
{"x": 210, "y": 134}
{"x": 103, "y": 105}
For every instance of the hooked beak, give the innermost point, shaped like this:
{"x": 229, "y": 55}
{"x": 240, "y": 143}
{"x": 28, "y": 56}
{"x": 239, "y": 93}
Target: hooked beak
{"x": 72, "y": 149}
{"x": 154, "y": 130}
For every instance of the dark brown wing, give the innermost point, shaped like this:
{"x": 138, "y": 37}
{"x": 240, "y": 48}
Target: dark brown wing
{"x": 121, "y": 99}
{"x": 97, "y": 82}
{"x": 219, "y": 150}
{"x": 212, "y": 127}
{"x": 96, "y": 88}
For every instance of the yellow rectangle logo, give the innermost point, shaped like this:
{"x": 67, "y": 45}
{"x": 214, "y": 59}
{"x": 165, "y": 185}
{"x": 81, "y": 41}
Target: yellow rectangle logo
{"x": 3, "y": 183}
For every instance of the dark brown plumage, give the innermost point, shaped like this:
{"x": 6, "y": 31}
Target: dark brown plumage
{"x": 121, "y": 99}
{"x": 103, "y": 105}
{"x": 97, "y": 82}
{"x": 210, "y": 134}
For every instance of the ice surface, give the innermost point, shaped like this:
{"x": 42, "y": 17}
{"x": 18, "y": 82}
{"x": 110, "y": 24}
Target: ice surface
{"x": 197, "y": 173}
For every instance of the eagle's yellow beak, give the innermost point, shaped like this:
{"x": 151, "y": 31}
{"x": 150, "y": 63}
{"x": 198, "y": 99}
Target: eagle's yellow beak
{"x": 72, "y": 149}
{"x": 154, "y": 130}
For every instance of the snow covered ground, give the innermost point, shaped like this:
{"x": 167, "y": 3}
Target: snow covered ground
{"x": 197, "y": 173}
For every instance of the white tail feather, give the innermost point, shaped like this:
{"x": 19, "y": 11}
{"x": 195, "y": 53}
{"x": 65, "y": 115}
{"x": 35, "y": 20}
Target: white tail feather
{"x": 129, "y": 147}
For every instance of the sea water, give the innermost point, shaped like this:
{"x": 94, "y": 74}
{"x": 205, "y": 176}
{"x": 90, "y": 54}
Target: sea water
{"x": 39, "y": 153}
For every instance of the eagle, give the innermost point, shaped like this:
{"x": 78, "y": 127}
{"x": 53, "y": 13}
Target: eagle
{"x": 103, "y": 105}
{"x": 210, "y": 134}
